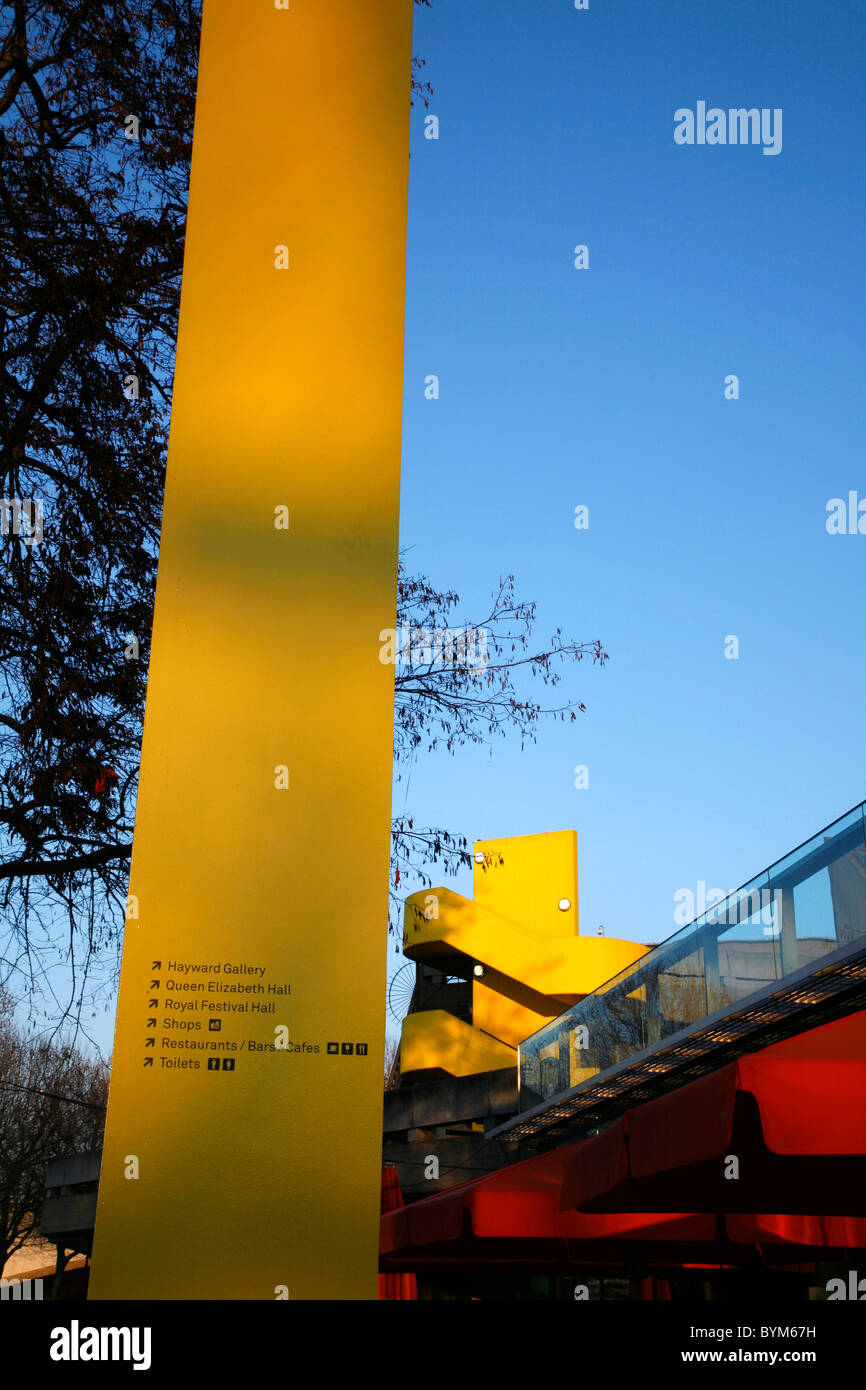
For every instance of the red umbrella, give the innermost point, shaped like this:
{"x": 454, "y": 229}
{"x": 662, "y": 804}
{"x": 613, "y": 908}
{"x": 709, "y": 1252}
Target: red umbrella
{"x": 394, "y": 1285}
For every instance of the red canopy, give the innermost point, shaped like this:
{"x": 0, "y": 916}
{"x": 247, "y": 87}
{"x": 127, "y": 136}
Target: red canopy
{"x": 790, "y": 1104}
{"x": 514, "y": 1217}
{"x": 394, "y": 1286}
{"x": 523, "y": 1201}
{"x": 783, "y": 1130}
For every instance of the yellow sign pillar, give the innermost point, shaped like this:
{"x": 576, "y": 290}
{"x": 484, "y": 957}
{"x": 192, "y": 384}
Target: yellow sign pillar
{"x": 242, "y": 1154}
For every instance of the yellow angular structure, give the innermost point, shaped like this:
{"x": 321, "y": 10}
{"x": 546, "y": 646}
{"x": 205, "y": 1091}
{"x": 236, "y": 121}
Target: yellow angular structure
{"x": 518, "y": 941}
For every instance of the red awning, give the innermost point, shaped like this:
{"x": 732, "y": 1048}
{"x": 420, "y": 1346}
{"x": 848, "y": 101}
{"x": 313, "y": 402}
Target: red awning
{"x": 809, "y": 1235}
{"x": 782, "y": 1130}
{"x": 797, "y": 1104}
{"x": 520, "y": 1202}
{"x": 394, "y": 1286}
{"x": 514, "y": 1217}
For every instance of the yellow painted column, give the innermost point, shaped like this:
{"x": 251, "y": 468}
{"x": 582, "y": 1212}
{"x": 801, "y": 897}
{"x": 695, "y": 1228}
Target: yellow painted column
{"x": 243, "y": 1147}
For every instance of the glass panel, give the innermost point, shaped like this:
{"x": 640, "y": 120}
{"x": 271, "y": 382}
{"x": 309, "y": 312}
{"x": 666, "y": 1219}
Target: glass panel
{"x": 795, "y": 914}
{"x": 682, "y": 992}
{"x": 848, "y": 895}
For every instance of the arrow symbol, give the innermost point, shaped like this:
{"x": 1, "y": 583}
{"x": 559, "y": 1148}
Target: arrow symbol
{"x": 151, "y": 1023}
{"x": 150, "y": 1042}
{"x": 154, "y": 1004}
{"x": 148, "y": 1061}
{"x": 157, "y": 965}
{"x": 154, "y": 984}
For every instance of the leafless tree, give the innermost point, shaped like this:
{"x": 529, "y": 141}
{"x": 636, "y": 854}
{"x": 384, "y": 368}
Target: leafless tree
{"x": 52, "y": 1105}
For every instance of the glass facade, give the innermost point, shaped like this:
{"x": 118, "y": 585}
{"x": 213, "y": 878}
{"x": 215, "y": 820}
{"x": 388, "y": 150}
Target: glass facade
{"x": 795, "y": 914}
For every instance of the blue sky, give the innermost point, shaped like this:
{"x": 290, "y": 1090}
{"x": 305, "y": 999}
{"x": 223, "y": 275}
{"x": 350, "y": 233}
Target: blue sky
{"x": 605, "y": 387}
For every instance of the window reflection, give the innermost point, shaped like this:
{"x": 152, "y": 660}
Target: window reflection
{"x": 796, "y": 914}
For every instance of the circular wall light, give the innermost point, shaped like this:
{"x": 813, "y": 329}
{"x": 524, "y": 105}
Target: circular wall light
{"x": 478, "y": 971}
{"x": 479, "y": 856}
{"x": 564, "y": 904}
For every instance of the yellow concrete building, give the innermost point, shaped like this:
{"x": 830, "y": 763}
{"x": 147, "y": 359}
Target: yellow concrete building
{"x": 517, "y": 941}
